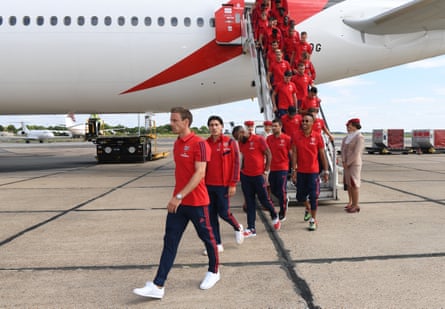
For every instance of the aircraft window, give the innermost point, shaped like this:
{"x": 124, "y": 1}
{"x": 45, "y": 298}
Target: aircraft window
{"x": 147, "y": 21}
{"x": 40, "y": 20}
{"x": 67, "y": 21}
{"x": 212, "y": 22}
{"x": 107, "y": 20}
{"x": 12, "y": 20}
{"x": 81, "y": 20}
{"x": 187, "y": 21}
{"x": 94, "y": 20}
{"x": 26, "y": 20}
{"x": 200, "y": 21}
{"x": 161, "y": 21}
{"x": 174, "y": 21}
{"x": 1, "y": 20}
{"x": 121, "y": 21}
{"x": 53, "y": 20}
{"x": 134, "y": 21}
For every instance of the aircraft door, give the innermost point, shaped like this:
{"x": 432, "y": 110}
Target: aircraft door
{"x": 228, "y": 23}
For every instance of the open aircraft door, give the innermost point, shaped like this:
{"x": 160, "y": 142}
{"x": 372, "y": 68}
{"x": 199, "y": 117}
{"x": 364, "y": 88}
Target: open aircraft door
{"x": 228, "y": 23}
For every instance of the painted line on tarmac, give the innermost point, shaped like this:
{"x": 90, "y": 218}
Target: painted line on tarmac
{"x": 373, "y": 258}
{"x": 425, "y": 198}
{"x": 40, "y": 177}
{"x": 63, "y": 213}
{"x": 234, "y": 264}
{"x": 300, "y": 284}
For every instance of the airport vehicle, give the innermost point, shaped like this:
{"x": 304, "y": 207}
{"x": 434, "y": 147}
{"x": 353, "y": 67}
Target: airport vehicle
{"x": 386, "y": 141}
{"x": 428, "y": 141}
{"x": 123, "y": 148}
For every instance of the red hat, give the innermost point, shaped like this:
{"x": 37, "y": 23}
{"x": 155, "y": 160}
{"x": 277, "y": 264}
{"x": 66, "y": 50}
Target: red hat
{"x": 353, "y": 120}
{"x": 249, "y": 123}
{"x": 267, "y": 123}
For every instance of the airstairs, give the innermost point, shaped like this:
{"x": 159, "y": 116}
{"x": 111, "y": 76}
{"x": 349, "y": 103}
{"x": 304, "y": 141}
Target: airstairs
{"x": 234, "y": 18}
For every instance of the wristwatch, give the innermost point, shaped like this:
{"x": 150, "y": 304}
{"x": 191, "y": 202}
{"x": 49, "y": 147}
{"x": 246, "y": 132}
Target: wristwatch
{"x": 179, "y": 196}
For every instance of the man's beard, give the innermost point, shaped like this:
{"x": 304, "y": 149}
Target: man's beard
{"x": 244, "y": 139}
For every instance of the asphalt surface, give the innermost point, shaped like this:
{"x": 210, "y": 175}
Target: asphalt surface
{"x": 76, "y": 234}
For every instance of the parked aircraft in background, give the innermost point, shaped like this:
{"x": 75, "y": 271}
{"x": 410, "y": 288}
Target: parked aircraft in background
{"x": 76, "y": 129}
{"x": 137, "y": 56}
{"x": 34, "y": 135}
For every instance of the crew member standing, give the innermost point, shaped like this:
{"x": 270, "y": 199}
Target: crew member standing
{"x": 190, "y": 202}
{"x": 222, "y": 174}
{"x": 267, "y": 128}
{"x": 351, "y": 153}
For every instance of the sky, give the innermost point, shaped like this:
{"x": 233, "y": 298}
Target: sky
{"x": 408, "y": 97}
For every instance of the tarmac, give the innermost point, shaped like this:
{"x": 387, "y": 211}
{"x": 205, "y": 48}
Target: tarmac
{"x": 76, "y": 234}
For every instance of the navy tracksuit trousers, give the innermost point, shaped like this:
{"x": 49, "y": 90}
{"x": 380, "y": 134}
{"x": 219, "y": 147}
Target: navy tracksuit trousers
{"x": 255, "y": 186}
{"x": 174, "y": 229}
{"x": 220, "y": 206}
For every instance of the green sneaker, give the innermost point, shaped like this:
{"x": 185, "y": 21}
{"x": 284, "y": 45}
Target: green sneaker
{"x": 312, "y": 225}
{"x": 307, "y": 215}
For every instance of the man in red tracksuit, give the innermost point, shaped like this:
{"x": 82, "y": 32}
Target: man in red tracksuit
{"x": 256, "y": 168}
{"x": 222, "y": 174}
{"x": 284, "y": 95}
{"x": 189, "y": 202}
{"x": 302, "y": 81}
{"x": 280, "y": 147}
{"x": 307, "y": 147}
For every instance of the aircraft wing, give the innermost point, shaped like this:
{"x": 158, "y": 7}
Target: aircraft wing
{"x": 414, "y": 16}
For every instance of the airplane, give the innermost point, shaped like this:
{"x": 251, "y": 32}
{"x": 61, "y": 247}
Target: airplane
{"x": 133, "y": 56}
{"x": 76, "y": 129}
{"x": 34, "y": 135}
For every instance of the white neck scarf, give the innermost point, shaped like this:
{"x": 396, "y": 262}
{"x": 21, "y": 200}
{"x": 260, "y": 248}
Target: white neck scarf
{"x": 351, "y": 136}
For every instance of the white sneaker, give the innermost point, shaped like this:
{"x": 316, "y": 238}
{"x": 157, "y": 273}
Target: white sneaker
{"x": 239, "y": 235}
{"x": 209, "y": 280}
{"x": 249, "y": 233}
{"x": 220, "y": 249}
{"x": 276, "y": 224}
{"x": 150, "y": 290}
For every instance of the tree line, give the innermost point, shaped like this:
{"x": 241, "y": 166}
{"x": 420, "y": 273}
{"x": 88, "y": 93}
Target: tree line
{"x": 117, "y": 130}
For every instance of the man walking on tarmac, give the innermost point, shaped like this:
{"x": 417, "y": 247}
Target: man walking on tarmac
{"x": 222, "y": 174}
{"x": 189, "y": 202}
{"x": 256, "y": 168}
{"x": 280, "y": 147}
{"x": 307, "y": 146}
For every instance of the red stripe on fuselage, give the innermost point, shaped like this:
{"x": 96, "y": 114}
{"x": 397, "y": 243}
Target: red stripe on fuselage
{"x": 300, "y": 10}
{"x": 213, "y": 54}
{"x": 208, "y": 56}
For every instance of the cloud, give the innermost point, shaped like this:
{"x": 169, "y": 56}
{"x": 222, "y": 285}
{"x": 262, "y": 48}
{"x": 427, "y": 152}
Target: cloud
{"x": 440, "y": 91}
{"x": 349, "y": 82}
{"x": 414, "y": 100}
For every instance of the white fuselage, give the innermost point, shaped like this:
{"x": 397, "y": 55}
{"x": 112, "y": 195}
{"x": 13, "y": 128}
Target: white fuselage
{"x": 59, "y": 66}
